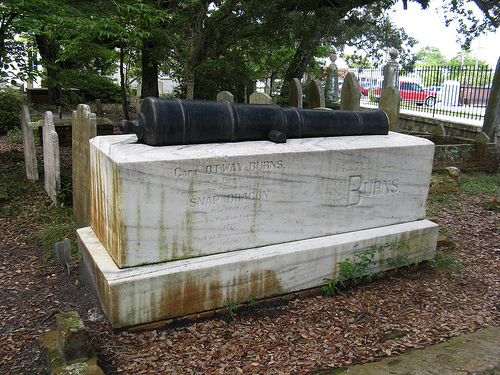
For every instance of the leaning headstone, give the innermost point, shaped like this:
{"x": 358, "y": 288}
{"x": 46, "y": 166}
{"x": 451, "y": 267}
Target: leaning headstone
{"x": 491, "y": 125}
{"x": 63, "y": 253}
{"x": 391, "y": 70}
{"x": 225, "y": 95}
{"x": 351, "y": 94}
{"x": 260, "y": 98}
{"x": 29, "y": 145}
{"x": 295, "y": 94}
{"x": 51, "y": 161}
{"x": 84, "y": 127}
{"x": 98, "y": 108}
{"x": 390, "y": 100}
{"x": 316, "y": 95}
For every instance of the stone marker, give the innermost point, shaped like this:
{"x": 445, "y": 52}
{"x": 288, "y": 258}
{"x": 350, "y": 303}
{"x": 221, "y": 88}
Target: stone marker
{"x": 29, "y": 145}
{"x": 332, "y": 82}
{"x": 84, "y": 127}
{"x": 491, "y": 125}
{"x": 390, "y": 100}
{"x": 225, "y": 95}
{"x": 260, "y": 98}
{"x": 316, "y": 95}
{"x": 63, "y": 253}
{"x": 98, "y": 108}
{"x": 295, "y": 94}
{"x": 391, "y": 70}
{"x": 51, "y": 161}
{"x": 351, "y": 94}
{"x": 177, "y": 230}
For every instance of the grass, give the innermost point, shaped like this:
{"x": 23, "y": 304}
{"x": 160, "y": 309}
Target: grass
{"x": 29, "y": 205}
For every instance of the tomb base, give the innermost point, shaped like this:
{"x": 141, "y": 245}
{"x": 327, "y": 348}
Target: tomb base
{"x": 148, "y": 293}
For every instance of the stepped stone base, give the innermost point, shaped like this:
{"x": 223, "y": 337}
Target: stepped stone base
{"x": 148, "y": 293}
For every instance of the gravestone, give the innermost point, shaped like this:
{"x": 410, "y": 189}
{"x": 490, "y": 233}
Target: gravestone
{"x": 63, "y": 253}
{"x": 295, "y": 94}
{"x": 351, "y": 94}
{"x": 260, "y": 98}
{"x": 84, "y": 127}
{"x": 491, "y": 125}
{"x": 391, "y": 70}
{"x": 181, "y": 229}
{"x": 316, "y": 95}
{"x": 225, "y": 95}
{"x": 29, "y": 145}
{"x": 390, "y": 100}
{"x": 51, "y": 161}
{"x": 332, "y": 82}
{"x": 98, "y": 108}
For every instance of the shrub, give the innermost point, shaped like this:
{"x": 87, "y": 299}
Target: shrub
{"x": 10, "y": 110}
{"x": 93, "y": 86}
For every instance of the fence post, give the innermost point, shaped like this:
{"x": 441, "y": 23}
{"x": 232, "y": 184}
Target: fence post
{"x": 491, "y": 124}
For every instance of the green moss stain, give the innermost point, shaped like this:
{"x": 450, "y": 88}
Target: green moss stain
{"x": 162, "y": 235}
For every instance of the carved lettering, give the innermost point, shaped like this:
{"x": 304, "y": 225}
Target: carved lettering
{"x": 211, "y": 200}
{"x": 358, "y": 188}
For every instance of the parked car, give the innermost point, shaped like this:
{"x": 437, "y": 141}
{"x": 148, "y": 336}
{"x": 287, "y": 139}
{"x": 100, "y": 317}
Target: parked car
{"x": 363, "y": 90}
{"x": 411, "y": 91}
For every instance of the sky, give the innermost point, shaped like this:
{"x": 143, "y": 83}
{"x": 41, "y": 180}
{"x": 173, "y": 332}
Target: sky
{"x": 427, "y": 26}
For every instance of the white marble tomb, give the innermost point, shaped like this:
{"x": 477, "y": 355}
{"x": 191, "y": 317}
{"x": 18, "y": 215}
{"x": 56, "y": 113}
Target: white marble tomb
{"x": 156, "y": 204}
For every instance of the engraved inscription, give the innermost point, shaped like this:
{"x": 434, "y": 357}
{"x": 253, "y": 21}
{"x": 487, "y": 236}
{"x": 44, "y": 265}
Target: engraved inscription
{"x": 359, "y": 188}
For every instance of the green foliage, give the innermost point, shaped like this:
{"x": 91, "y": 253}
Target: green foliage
{"x": 92, "y": 86}
{"x": 447, "y": 262}
{"x": 481, "y": 183}
{"x": 10, "y": 110}
{"x": 15, "y": 136}
{"x": 231, "y": 307}
{"x": 357, "y": 267}
{"x": 65, "y": 195}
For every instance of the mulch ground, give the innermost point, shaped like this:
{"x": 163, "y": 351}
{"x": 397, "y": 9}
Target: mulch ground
{"x": 311, "y": 335}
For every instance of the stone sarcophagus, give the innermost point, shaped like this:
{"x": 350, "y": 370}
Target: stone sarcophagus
{"x": 181, "y": 229}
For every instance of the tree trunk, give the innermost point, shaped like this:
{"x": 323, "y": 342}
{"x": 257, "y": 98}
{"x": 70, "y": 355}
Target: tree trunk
{"x": 149, "y": 73}
{"x": 122, "y": 86}
{"x": 49, "y": 50}
{"x": 189, "y": 83}
{"x": 301, "y": 60}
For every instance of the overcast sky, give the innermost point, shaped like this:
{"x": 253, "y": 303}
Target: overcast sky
{"x": 427, "y": 26}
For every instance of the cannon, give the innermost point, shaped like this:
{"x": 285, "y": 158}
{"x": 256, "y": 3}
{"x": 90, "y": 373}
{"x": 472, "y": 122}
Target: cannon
{"x": 163, "y": 122}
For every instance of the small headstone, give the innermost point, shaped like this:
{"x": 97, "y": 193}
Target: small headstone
{"x": 351, "y": 94}
{"x": 63, "y": 253}
{"x": 51, "y": 161}
{"x": 98, "y": 108}
{"x": 316, "y": 95}
{"x": 260, "y": 98}
{"x": 439, "y": 130}
{"x": 482, "y": 138}
{"x": 225, "y": 95}
{"x": 84, "y": 127}
{"x": 390, "y": 100}
{"x": 295, "y": 94}
{"x": 29, "y": 145}
{"x": 71, "y": 338}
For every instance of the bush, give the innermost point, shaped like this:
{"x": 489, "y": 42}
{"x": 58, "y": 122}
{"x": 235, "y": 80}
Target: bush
{"x": 10, "y": 110}
{"x": 93, "y": 86}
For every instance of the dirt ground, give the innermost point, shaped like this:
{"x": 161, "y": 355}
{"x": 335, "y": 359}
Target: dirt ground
{"x": 310, "y": 335}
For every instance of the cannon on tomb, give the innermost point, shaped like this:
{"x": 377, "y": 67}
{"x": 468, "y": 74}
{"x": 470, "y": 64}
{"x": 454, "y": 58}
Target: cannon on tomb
{"x": 176, "y": 122}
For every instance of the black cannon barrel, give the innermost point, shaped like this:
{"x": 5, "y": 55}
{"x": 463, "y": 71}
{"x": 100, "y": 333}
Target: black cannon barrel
{"x": 175, "y": 122}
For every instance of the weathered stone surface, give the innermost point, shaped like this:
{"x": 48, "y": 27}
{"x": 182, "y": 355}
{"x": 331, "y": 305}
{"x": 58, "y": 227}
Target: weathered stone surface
{"x": 295, "y": 94}
{"x": 29, "y": 145}
{"x": 149, "y": 293}
{"x": 84, "y": 127}
{"x": 351, "y": 94}
{"x": 225, "y": 95}
{"x": 51, "y": 160}
{"x": 390, "y": 100}
{"x": 260, "y": 98}
{"x": 316, "y": 95}
{"x": 491, "y": 125}
{"x": 156, "y": 204}
{"x": 71, "y": 338}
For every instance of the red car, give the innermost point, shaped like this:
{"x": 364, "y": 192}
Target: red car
{"x": 363, "y": 90}
{"x": 411, "y": 91}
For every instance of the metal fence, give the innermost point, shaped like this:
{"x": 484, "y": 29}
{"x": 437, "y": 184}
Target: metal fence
{"x": 457, "y": 91}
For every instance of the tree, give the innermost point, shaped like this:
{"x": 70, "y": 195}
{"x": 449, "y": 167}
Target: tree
{"x": 430, "y": 56}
